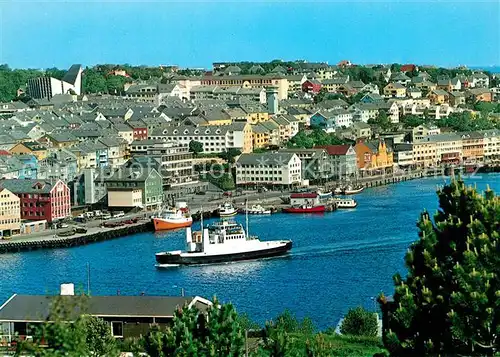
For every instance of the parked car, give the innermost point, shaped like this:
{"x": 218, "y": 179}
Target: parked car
{"x": 118, "y": 214}
{"x": 106, "y": 216}
{"x": 97, "y": 213}
{"x": 201, "y": 193}
{"x": 227, "y": 194}
{"x": 62, "y": 225}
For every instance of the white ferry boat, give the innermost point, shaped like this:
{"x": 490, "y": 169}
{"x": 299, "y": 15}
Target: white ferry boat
{"x": 224, "y": 241}
{"x": 227, "y": 210}
{"x": 345, "y": 203}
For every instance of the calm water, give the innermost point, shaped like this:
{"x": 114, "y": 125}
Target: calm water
{"x": 339, "y": 260}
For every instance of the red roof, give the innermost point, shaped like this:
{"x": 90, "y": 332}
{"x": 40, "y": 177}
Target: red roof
{"x": 4, "y": 152}
{"x": 304, "y": 195}
{"x": 408, "y": 68}
{"x": 335, "y": 149}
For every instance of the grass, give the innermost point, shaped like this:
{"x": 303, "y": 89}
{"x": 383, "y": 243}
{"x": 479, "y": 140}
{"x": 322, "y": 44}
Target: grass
{"x": 335, "y": 345}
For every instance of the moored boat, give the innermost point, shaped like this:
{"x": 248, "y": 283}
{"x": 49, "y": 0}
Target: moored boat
{"x": 256, "y": 209}
{"x": 338, "y": 190}
{"x": 305, "y": 209}
{"x": 223, "y": 241}
{"x": 352, "y": 190}
{"x": 227, "y": 210}
{"x": 323, "y": 195}
{"x": 345, "y": 203}
{"x": 172, "y": 219}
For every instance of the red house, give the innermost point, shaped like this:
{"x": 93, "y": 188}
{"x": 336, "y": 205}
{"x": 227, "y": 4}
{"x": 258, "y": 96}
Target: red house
{"x": 311, "y": 86}
{"x": 408, "y": 68}
{"x": 41, "y": 200}
{"x": 140, "y": 129}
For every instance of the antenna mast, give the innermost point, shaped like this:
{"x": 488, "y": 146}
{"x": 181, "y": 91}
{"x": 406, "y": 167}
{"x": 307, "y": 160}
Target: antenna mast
{"x": 246, "y": 215}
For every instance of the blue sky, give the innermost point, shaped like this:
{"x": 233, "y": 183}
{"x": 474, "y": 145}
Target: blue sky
{"x": 197, "y": 33}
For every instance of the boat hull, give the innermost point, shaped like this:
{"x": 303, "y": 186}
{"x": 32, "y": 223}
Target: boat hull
{"x": 353, "y": 192}
{"x": 164, "y": 225}
{"x": 316, "y": 209}
{"x": 177, "y": 259}
{"x": 226, "y": 215}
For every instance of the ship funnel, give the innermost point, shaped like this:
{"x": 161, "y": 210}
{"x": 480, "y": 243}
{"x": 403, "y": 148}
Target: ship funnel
{"x": 188, "y": 235}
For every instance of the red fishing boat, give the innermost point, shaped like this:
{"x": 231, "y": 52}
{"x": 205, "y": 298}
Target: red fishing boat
{"x": 305, "y": 209}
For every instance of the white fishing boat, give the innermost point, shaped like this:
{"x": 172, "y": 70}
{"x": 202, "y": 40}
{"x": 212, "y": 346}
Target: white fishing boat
{"x": 257, "y": 209}
{"x": 227, "y": 210}
{"x": 323, "y": 195}
{"x": 345, "y": 203}
{"x": 352, "y": 190}
{"x": 338, "y": 190}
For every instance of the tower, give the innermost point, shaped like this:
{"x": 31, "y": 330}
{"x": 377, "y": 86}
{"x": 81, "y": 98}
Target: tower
{"x": 272, "y": 100}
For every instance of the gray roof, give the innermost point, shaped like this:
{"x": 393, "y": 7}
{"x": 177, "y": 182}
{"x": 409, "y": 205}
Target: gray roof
{"x": 268, "y": 158}
{"x": 37, "y": 307}
{"x": 192, "y": 130}
{"x": 130, "y": 175}
{"x": 26, "y": 186}
{"x": 72, "y": 74}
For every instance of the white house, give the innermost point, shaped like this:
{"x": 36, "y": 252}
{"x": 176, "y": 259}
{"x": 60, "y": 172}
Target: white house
{"x": 270, "y": 168}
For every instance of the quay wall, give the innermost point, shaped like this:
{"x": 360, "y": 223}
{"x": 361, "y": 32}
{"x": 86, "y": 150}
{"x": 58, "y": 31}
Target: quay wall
{"x": 75, "y": 240}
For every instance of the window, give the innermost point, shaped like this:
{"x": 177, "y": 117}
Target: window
{"x": 117, "y": 328}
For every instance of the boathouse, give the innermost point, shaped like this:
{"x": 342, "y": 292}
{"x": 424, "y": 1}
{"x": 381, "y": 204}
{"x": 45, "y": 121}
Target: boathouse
{"x": 128, "y": 316}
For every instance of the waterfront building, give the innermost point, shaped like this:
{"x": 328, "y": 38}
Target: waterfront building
{"x": 60, "y": 164}
{"x": 279, "y": 169}
{"x": 473, "y": 147}
{"x": 40, "y": 199}
{"x": 213, "y": 138}
{"x": 449, "y": 147}
{"x": 424, "y": 154}
{"x": 403, "y": 155}
{"x": 126, "y": 316}
{"x": 130, "y": 187}
{"x": 315, "y": 163}
{"x": 374, "y": 157}
{"x": 47, "y": 87}
{"x": 491, "y": 145}
{"x": 343, "y": 161}
{"x": 10, "y": 213}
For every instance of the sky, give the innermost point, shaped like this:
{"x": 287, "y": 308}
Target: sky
{"x": 43, "y": 34}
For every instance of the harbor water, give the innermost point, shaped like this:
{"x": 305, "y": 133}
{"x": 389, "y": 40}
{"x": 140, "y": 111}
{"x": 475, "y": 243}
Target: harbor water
{"x": 339, "y": 260}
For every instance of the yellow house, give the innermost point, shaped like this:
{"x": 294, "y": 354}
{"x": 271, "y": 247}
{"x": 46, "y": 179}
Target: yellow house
{"x": 247, "y": 139}
{"x": 30, "y": 148}
{"x": 261, "y": 136}
{"x": 395, "y": 90}
{"x": 10, "y": 213}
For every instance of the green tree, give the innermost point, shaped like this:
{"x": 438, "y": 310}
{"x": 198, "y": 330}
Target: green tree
{"x": 359, "y": 322}
{"x": 93, "y": 82}
{"x": 230, "y": 155}
{"x": 449, "y": 302}
{"x": 411, "y": 121}
{"x": 195, "y": 147}
{"x": 99, "y": 340}
{"x": 115, "y": 84}
{"x": 225, "y": 335}
{"x": 382, "y": 120}
{"x": 276, "y": 340}
{"x": 321, "y": 95}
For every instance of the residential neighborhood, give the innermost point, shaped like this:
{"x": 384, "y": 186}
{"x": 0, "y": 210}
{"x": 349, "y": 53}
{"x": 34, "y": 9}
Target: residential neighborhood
{"x": 279, "y": 127}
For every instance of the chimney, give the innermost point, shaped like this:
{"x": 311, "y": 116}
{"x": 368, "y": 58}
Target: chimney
{"x": 67, "y": 289}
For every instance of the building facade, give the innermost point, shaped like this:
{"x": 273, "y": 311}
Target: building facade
{"x": 10, "y": 213}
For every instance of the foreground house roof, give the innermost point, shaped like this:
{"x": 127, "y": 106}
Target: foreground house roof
{"x": 37, "y": 307}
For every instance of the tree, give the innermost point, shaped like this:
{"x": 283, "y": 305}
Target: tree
{"x": 195, "y": 147}
{"x": 321, "y": 95}
{"x": 193, "y": 334}
{"x": 276, "y": 340}
{"x": 230, "y": 154}
{"x": 382, "y": 120}
{"x": 411, "y": 121}
{"x": 99, "y": 340}
{"x": 448, "y": 303}
{"x": 359, "y": 322}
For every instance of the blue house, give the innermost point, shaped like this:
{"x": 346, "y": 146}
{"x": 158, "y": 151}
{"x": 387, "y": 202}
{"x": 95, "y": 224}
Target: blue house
{"x": 318, "y": 120}
{"x": 29, "y": 168}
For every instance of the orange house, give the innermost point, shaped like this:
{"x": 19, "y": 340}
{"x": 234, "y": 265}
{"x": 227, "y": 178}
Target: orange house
{"x": 374, "y": 156}
{"x": 480, "y": 95}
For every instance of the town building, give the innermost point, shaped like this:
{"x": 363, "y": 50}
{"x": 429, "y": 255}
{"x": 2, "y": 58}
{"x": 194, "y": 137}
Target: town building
{"x": 374, "y": 157}
{"x": 213, "y": 138}
{"x": 134, "y": 187}
{"x": 47, "y": 87}
{"x": 10, "y": 213}
{"x": 278, "y": 169}
{"x": 491, "y": 145}
{"x": 343, "y": 161}
{"x": 423, "y": 130}
{"x": 315, "y": 163}
{"x": 449, "y": 147}
{"x": 403, "y": 155}
{"x": 473, "y": 147}
{"x": 30, "y": 147}
{"x": 395, "y": 90}
{"x": 40, "y": 199}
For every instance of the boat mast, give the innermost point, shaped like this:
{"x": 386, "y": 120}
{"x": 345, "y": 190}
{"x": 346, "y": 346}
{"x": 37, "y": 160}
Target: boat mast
{"x": 246, "y": 215}
{"x": 201, "y": 219}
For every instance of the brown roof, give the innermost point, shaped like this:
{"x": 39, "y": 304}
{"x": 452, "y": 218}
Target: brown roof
{"x": 335, "y": 149}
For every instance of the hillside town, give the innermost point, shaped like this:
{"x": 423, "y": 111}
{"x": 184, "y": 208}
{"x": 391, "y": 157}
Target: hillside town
{"x": 65, "y": 148}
